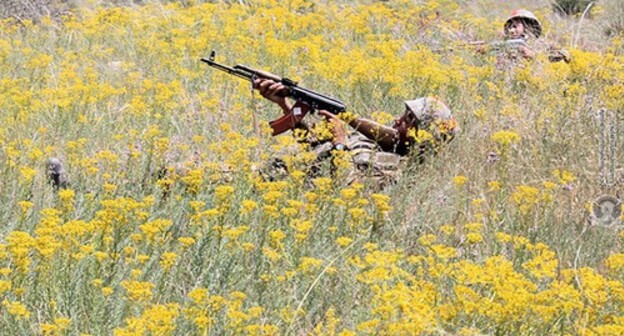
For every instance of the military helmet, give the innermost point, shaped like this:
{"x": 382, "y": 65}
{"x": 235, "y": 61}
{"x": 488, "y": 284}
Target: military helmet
{"x": 433, "y": 116}
{"x": 530, "y": 21}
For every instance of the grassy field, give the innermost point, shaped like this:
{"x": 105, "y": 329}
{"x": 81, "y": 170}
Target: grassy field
{"x": 168, "y": 229}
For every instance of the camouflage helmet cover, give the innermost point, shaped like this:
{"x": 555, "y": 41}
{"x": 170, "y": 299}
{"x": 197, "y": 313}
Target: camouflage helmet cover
{"x": 529, "y": 19}
{"x": 433, "y": 116}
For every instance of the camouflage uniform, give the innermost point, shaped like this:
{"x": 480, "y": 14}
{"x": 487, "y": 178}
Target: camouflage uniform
{"x": 369, "y": 164}
{"x": 372, "y": 165}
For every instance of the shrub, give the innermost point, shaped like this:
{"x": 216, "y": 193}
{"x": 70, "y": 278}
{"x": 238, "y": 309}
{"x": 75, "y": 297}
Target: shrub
{"x": 613, "y": 17}
{"x": 33, "y": 9}
{"x": 570, "y": 7}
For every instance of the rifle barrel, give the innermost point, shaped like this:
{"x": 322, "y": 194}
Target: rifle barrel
{"x": 316, "y": 100}
{"x": 227, "y": 69}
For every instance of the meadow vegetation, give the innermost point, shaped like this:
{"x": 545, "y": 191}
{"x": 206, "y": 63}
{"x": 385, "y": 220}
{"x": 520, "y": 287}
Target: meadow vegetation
{"x": 168, "y": 228}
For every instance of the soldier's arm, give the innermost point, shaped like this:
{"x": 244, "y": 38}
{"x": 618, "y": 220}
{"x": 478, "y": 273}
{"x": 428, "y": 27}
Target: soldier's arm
{"x": 338, "y": 130}
{"x": 273, "y": 91}
{"x": 555, "y": 55}
{"x": 527, "y": 53}
{"x": 386, "y": 137}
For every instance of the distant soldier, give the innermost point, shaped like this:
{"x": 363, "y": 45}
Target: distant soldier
{"x": 57, "y": 176}
{"x": 378, "y": 151}
{"x": 522, "y": 29}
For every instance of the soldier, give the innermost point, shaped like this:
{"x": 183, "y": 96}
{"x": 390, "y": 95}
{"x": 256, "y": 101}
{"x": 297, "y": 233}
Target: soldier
{"x": 376, "y": 150}
{"x": 57, "y": 176}
{"x": 524, "y": 28}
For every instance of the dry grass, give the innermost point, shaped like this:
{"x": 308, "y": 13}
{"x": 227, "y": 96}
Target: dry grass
{"x": 491, "y": 236}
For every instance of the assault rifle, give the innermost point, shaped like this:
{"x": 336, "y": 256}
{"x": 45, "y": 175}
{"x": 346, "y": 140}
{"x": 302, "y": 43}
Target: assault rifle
{"x": 307, "y": 100}
{"x": 510, "y": 44}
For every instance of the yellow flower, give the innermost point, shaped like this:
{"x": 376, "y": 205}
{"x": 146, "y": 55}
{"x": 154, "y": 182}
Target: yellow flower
{"x": 308, "y": 264}
{"x": 474, "y": 238}
{"x": 48, "y": 329}
{"x": 422, "y": 136}
{"x": 544, "y": 264}
{"x": 447, "y": 229}
{"x": 197, "y": 205}
{"x": 203, "y": 322}
{"x": 138, "y": 291}
{"x": 382, "y": 117}
{"x": 129, "y": 251}
{"x": 27, "y": 174}
{"x": 199, "y": 295}
{"x": 186, "y": 242}
{"x": 135, "y": 273}
{"x": 427, "y": 240}
{"x": 494, "y": 186}
{"x": 109, "y": 188}
{"x": 16, "y": 309}
{"x": 25, "y": 206}
{"x": 248, "y": 247}
{"x": 5, "y": 286}
{"x": 155, "y": 230}
{"x": 347, "y": 117}
{"x": 301, "y": 226}
{"x": 19, "y": 245}
{"x": 106, "y": 291}
{"x": 357, "y": 215}
{"x": 370, "y": 247}
{"x": 261, "y": 330}
{"x": 614, "y": 262}
{"x": 323, "y": 184}
{"x": 549, "y": 185}
{"x": 506, "y": 138}
{"x": 160, "y": 319}
{"x": 311, "y": 197}
{"x": 344, "y": 241}
{"x": 460, "y": 180}
{"x": 167, "y": 260}
{"x": 525, "y": 197}
{"x": 222, "y": 193}
{"x": 62, "y": 322}
{"x": 348, "y": 194}
{"x": 443, "y": 252}
{"x": 381, "y": 202}
{"x": 298, "y": 176}
{"x": 503, "y": 237}
{"x": 271, "y": 254}
{"x": 276, "y": 238}
{"x": 339, "y": 202}
{"x": 248, "y": 206}
{"x": 564, "y": 176}
{"x": 194, "y": 179}
{"x": 255, "y": 312}
{"x": 474, "y": 227}
{"x": 271, "y": 197}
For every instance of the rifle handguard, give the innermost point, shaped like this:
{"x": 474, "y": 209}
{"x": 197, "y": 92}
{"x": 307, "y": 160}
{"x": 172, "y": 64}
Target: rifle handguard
{"x": 259, "y": 73}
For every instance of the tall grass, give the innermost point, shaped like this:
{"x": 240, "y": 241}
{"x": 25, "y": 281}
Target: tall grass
{"x": 168, "y": 228}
